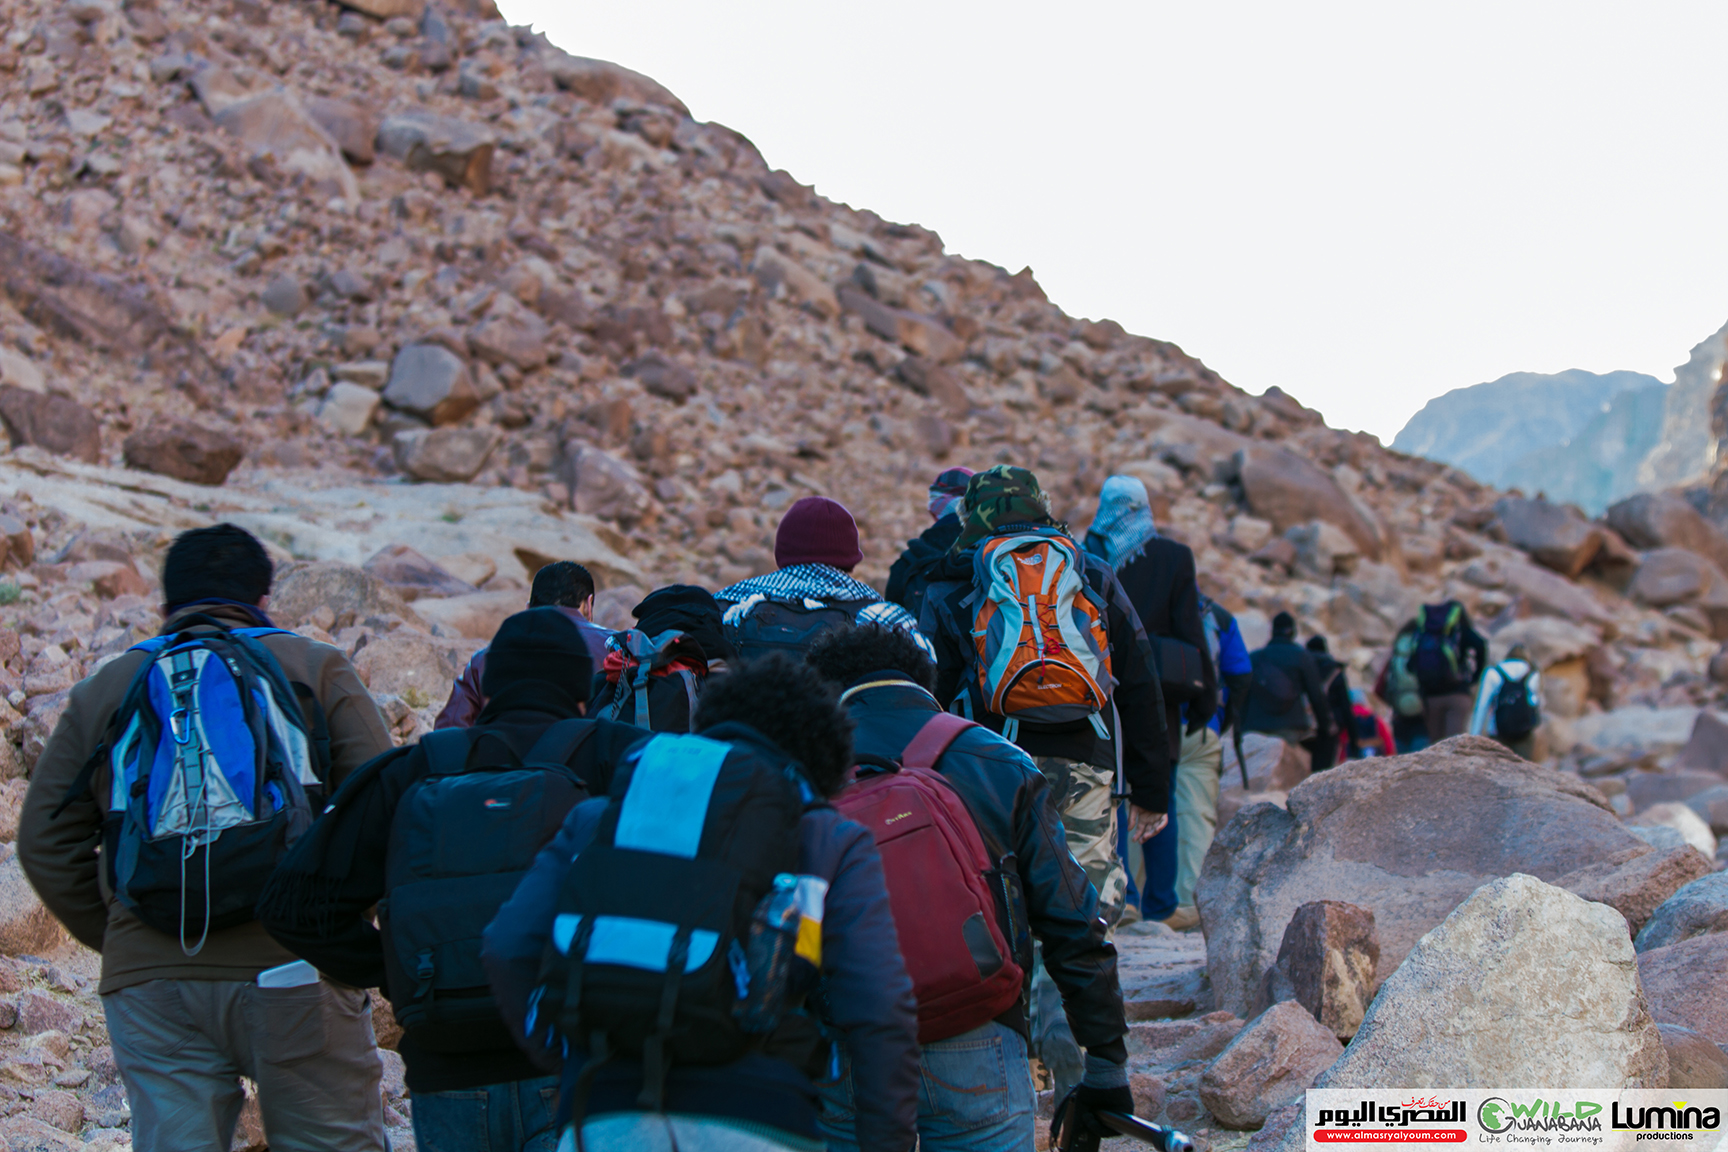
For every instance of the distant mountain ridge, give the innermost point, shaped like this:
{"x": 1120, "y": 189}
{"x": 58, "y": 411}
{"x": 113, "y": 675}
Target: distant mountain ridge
{"x": 1581, "y": 437}
{"x": 1490, "y": 430}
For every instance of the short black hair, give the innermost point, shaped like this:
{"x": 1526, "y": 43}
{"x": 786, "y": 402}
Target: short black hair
{"x": 778, "y": 697}
{"x": 1316, "y": 643}
{"x": 845, "y": 656}
{"x": 562, "y": 583}
{"x": 221, "y": 562}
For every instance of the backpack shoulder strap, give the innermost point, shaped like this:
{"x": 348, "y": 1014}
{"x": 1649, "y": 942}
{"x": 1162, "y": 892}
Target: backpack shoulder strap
{"x": 320, "y": 728}
{"x": 941, "y": 730}
{"x": 559, "y": 743}
{"x": 447, "y": 751}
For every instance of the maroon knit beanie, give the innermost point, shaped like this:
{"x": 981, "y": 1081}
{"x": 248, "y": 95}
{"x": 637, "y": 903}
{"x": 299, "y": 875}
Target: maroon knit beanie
{"x": 817, "y": 530}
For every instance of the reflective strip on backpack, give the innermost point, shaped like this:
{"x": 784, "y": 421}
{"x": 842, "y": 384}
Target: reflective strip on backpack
{"x": 667, "y": 802}
{"x": 632, "y": 943}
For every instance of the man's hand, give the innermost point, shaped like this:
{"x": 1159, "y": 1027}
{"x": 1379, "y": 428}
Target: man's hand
{"x": 1143, "y": 825}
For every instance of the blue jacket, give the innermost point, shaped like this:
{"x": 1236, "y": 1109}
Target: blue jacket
{"x": 1232, "y": 662}
{"x": 864, "y": 985}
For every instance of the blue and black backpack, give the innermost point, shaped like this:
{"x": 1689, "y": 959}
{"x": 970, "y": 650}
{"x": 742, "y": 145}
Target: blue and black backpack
{"x": 214, "y": 774}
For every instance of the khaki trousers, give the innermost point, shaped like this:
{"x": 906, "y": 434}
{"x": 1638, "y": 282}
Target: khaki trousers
{"x": 1195, "y": 802}
{"x": 182, "y": 1046}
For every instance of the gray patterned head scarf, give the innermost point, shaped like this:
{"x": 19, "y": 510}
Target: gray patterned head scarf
{"x": 1124, "y": 522}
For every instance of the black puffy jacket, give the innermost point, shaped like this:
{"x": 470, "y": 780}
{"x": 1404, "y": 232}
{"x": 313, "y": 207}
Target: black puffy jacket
{"x": 1012, "y": 805}
{"x": 912, "y": 573}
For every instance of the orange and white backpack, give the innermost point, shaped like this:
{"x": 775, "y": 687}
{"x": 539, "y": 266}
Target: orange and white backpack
{"x": 1040, "y": 637}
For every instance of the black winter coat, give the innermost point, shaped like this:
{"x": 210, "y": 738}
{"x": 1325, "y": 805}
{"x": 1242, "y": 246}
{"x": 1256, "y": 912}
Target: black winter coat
{"x": 1165, "y": 592}
{"x": 1015, "y": 812}
{"x": 347, "y": 946}
{"x": 1298, "y": 664}
{"x": 911, "y": 574}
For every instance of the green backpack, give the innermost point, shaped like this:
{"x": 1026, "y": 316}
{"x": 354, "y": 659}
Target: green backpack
{"x": 1401, "y": 682}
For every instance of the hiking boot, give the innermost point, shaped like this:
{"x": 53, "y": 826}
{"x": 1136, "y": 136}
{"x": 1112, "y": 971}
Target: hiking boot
{"x": 1184, "y": 918}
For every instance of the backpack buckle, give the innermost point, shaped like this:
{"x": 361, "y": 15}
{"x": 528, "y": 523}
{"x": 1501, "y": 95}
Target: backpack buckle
{"x": 423, "y": 971}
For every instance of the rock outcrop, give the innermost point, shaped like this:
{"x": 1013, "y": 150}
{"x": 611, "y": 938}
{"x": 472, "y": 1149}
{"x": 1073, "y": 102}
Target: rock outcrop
{"x": 1408, "y": 838}
{"x": 1523, "y": 983}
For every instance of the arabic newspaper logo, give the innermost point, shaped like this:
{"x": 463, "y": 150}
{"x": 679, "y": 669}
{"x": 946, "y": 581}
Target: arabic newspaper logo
{"x": 1497, "y": 1114}
{"x": 1392, "y": 1122}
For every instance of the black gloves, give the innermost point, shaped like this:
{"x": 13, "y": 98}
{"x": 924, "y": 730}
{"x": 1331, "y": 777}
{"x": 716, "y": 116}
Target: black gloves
{"x": 1119, "y": 1099}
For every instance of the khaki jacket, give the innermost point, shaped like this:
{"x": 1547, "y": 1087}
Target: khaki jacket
{"x": 60, "y": 855}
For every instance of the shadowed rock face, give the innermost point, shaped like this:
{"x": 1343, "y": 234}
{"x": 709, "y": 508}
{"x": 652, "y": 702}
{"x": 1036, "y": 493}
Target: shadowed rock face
{"x": 1407, "y": 838}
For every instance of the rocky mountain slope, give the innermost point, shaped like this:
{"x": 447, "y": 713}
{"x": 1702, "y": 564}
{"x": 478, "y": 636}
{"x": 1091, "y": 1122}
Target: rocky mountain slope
{"x": 425, "y": 302}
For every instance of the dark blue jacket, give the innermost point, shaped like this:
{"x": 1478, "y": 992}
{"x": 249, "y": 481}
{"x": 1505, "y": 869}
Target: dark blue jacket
{"x": 864, "y": 985}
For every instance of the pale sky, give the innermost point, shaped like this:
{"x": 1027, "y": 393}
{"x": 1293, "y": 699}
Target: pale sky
{"x": 1365, "y": 203}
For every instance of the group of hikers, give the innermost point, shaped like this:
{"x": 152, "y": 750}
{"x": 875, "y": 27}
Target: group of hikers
{"x": 790, "y": 865}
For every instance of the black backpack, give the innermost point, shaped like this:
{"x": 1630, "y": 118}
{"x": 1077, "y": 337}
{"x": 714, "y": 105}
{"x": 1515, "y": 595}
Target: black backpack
{"x": 646, "y": 659}
{"x": 790, "y": 625}
{"x": 1437, "y": 661}
{"x": 651, "y": 943}
{"x": 1514, "y": 714}
{"x": 1274, "y": 689}
{"x": 461, "y": 841}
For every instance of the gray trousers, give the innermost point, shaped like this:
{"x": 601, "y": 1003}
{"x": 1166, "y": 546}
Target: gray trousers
{"x": 182, "y": 1046}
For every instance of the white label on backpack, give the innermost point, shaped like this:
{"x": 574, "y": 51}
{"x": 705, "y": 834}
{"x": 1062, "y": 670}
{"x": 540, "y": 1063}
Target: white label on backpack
{"x": 294, "y": 974}
{"x": 667, "y": 802}
{"x": 632, "y": 943}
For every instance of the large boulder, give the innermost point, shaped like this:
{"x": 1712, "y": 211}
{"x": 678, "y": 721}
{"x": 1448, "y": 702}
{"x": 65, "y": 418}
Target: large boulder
{"x": 1328, "y": 963}
{"x": 431, "y": 382}
{"x": 1637, "y": 730}
{"x": 1691, "y": 826}
{"x": 476, "y": 615}
{"x": 50, "y": 421}
{"x": 1684, "y": 982}
{"x": 178, "y": 447}
{"x": 1699, "y": 908}
{"x": 332, "y": 595}
{"x": 458, "y": 150}
{"x": 408, "y": 664}
{"x": 1523, "y": 983}
{"x": 600, "y": 82}
{"x": 1706, "y": 747}
{"x": 27, "y": 928}
{"x": 511, "y": 336}
{"x": 1670, "y": 576}
{"x": 1635, "y": 883}
{"x": 1271, "y": 1062}
{"x": 1556, "y": 536}
{"x": 276, "y": 127}
{"x": 1288, "y": 490}
{"x": 1668, "y": 520}
{"x": 353, "y": 127}
{"x": 444, "y": 455}
{"x": 1693, "y": 1061}
{"x": 1407, "y": 837}
{"x": 605, "y": 486}
{"x": 412, "y": 576}
{"x": 1547, "y": 593}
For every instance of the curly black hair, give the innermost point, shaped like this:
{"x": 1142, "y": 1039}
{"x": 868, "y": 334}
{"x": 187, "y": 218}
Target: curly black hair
{"x": 845, "y": 656}
{"x": 778, "y": 697}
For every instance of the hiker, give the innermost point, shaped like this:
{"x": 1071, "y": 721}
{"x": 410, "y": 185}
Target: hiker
{"x": 1509, "y": 703}
{"x": 1447, "y": 661}
{"x": 1342, "y": 745}
{"x": 1194, "y": 795}
{"x": 816, "y": 547}
{"x": 1110, "y": 717}
{"x": 1287, "y": 698}
{"x": 910, "y": 575}
{"x": 1157, "y": 574}
{"x": 977, "y": 1090}
{"x": 562, "y": 584}
{"x": 1373, "y": 737}
{"x": 1401, "y": 691}
{"x": 653, "y": 673}
{"x": 436, "y": 835}
{"x": 195, "y": 993}
{"x": 577, "y": 956}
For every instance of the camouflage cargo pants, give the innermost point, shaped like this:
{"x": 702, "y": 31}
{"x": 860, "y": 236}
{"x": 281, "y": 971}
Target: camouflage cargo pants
{"x": 1082, "y": 794}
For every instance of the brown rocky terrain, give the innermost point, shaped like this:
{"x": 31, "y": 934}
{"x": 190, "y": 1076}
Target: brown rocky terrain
{"x": 424, "y": 302}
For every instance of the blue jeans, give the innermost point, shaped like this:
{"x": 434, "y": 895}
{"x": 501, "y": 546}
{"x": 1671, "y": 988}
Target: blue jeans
{"x": 515, "y": 1116}
{"x": 975, "y": 1095}
{"x": 1156, "y": 899}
